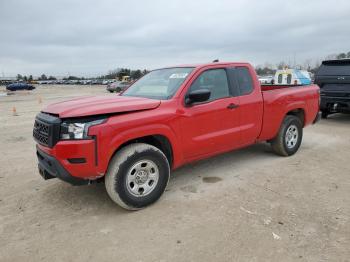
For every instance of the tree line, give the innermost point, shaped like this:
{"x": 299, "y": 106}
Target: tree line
{"x": 30, "y": 77}
{"x": 309, "y": 64}
{"x": 112, "y": 74}
{"x": 120, "y": 72}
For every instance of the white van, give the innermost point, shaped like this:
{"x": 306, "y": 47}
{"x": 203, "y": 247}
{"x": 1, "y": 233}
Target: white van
{"x": 292, "y": 77}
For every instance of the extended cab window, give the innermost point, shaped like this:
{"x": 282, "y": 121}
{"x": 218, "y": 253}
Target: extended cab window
{"x": 215, "y": 80}
{"x": 245, "y": 80}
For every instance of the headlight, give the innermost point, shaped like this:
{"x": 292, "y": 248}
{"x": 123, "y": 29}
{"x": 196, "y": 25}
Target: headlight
{"x": 77, "y": 129}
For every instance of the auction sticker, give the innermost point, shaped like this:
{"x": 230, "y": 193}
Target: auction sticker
{"x": 179, "y": 75}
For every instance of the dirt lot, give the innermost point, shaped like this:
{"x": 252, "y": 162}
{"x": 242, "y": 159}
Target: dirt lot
{"x": 248, "y": 205}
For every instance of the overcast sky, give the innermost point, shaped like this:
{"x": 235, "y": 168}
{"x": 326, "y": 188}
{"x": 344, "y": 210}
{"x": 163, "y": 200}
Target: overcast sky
{"x": 84, "y": 37}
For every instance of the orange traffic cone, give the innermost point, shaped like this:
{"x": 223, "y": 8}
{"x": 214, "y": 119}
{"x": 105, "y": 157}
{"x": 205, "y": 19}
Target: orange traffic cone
{"x": 14, "y": 111}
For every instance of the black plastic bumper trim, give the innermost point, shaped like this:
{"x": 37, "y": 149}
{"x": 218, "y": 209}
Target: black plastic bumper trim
{"x": 50, "y": 167}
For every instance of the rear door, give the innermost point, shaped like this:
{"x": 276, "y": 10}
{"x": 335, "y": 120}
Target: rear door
{"x": 214, "y": 125}
{"x": 250, "y": 102}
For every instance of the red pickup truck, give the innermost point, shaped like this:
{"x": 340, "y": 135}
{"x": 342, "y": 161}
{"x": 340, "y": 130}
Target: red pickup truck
{"x": 169, "y": 117}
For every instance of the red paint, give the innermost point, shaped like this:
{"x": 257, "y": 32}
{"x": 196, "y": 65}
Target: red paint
{"x": 97, "y": 105}
{"x": 194, "y": 132}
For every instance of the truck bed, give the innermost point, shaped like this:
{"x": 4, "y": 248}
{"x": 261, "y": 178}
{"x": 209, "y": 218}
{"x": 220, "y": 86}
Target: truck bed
{"x": 280, "y": 99}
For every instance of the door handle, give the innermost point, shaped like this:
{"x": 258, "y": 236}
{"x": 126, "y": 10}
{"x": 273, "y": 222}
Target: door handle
{"x": 232, "y": 106}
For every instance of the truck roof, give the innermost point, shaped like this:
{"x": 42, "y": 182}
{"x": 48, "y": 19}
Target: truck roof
{"x": 200, "y": 65}
{"x": 336, "y": 61}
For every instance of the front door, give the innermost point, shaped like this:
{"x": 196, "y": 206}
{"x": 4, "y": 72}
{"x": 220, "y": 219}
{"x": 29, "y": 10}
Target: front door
{"x": 212, "y": 126}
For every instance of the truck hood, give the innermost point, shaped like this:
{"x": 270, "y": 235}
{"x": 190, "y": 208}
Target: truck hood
{"x": 100, "y": 105}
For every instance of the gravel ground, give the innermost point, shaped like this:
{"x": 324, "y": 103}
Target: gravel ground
{"x": 248, "y": 205}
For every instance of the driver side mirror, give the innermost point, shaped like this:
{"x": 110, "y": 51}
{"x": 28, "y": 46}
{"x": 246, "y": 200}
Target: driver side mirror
{"x": 199, "y": 95}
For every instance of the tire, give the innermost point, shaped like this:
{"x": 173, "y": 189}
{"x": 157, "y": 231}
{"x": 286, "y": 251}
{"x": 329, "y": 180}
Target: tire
{"x": 130, "y": 174}
{"x": 287, "y": 145}
{"x": 324, "y": 114}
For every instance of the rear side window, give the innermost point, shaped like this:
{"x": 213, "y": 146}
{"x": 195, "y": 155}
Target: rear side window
{"x": 245, "y": 81}
{"x": 289, "y": 78}
{"x": 231, "y": 73}
{"x": 215, "y": 80}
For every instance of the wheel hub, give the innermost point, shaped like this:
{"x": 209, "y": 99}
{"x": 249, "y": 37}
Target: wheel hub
{"x": 291, "y": 136}
{"x": 142, "y": 178}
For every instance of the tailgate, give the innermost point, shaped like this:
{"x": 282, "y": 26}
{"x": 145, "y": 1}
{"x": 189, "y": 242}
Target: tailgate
{"x": 336, "y": 90}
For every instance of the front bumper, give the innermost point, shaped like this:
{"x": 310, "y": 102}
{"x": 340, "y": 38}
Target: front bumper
{"x": 50, "y": 167}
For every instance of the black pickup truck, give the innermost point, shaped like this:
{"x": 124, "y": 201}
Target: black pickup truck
{"x": 333, "y": 77}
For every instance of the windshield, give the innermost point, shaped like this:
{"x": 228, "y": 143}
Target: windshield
{"x": 159, "y": 84}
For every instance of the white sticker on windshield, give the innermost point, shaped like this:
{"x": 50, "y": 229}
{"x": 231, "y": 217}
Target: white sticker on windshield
{"x": 179, "y": 75}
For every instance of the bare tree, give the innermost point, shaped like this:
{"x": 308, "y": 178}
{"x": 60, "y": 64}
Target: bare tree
{"x": 331, "y": 56}
{"x": 282, "y": 65}
{"x": 341, "y": 56}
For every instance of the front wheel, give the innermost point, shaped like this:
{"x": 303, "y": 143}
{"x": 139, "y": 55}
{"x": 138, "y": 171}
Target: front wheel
{"x": 289, "y": 137}
{"x": 137, "y": 176}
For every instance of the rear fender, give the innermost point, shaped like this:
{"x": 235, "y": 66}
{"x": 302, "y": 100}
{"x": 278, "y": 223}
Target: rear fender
{"x": 273, "y": 120}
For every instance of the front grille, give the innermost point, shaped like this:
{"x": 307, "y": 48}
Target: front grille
{"x": 41, "y": 132}
{"x": 46, "y": 129}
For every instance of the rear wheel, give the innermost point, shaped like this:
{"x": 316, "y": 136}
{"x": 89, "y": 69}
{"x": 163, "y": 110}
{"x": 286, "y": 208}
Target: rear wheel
{"x": 137, "y": 176}
{"x": 289, "y": 137}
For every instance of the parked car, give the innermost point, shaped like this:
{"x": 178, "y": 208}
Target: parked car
{"x": 169, "y": 117}
{"x": 112, "y": 87}
{"x": 43, "y": 82}
{"x": 97, "y": 82}
{"x": 118, "y": 86}
{"x": 86, "y": 82}
{"x": 266, "y": 79}
{"x": 333, "y": 77}
{"x": 19, "y": 86}
{"x": 105, "y": 82}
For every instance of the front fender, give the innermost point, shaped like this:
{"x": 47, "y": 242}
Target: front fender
{"x": 119, "y": 138}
